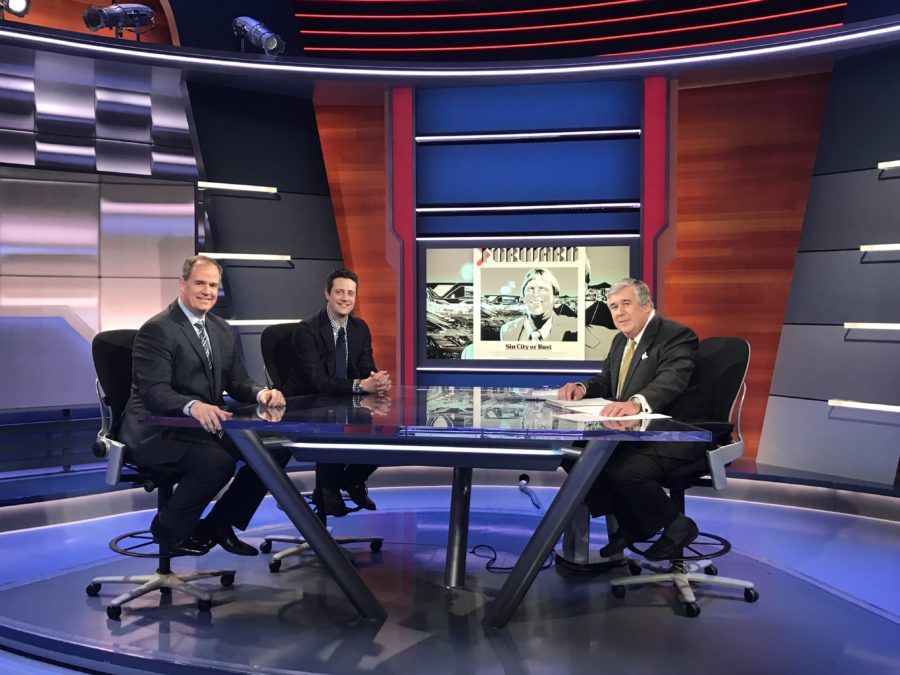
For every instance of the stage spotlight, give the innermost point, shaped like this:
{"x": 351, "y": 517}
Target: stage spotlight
{"x": 119, "y": 17}
{"x": 15, "y": 7}
{"x": 258, "y": 35}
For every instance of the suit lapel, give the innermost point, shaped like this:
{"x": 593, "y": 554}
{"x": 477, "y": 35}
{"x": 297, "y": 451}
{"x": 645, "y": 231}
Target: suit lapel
{"x": 647, "y": 339}
{"x": 327, "y": 335}
{"x": 214, "y": 332}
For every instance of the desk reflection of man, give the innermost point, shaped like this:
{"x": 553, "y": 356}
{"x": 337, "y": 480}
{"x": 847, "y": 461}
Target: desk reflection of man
{"x": 542, "y": 321}
{"x": 332, "y": 354}
{"x": 650, "y": 368}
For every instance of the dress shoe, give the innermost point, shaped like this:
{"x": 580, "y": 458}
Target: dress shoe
{"x": 331, "y": 501}
{"x": 359, "y": 493}
{"x": 678, "y": 534}
{"x": 216, "y": 532}
{"x": 617, "y": 543}
{"x": 170, "y": 543}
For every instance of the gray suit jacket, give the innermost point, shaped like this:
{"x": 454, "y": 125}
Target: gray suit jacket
{"x": 169, "y": 370}
{"x": 663, "y": 369}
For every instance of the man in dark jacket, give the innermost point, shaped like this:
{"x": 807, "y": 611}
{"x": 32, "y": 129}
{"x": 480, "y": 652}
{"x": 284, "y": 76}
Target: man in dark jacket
{"x": 332, "y": 354}
{"x": 650, "y": 368}
{"x": 184, "y": 358}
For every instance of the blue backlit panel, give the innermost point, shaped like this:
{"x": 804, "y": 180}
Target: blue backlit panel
{"x": 501, "y": 173}
{"x": 531, "y": 223}
{"x": 591, "y": 105}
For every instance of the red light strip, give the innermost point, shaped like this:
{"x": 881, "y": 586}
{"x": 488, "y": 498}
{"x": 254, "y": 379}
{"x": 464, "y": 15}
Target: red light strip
{"x": 507, "y": 12}
{"x": 725, "y": 42}
{"x": 603, "y": 38}
{"x": 576, "y": 24}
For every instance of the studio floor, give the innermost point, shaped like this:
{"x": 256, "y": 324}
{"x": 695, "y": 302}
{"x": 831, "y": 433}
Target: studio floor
{"x": 829, "y": 600}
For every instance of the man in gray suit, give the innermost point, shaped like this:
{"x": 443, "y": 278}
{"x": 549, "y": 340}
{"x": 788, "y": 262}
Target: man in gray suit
{"x": 650, "y": 368}
{"x": 184, "y": 358}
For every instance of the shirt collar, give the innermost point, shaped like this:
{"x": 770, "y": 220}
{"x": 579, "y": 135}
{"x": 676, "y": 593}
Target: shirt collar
{"x": 544, "y": 330}
{"x": 336, "y": 325}
{"x": 637, "y": 338}
{"x": 191, "y": 317}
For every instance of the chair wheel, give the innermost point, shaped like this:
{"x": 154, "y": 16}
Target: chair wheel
{"x": 274, "y": 565}
{"x": 266, "y": 547}
{"x": 634, "y": 569}
{"x": 204, "y": 605}
{"x": 751, "y": 594}
{"x": 92, "y": 589}
{"x": 375, "y": 546}
{"x": 114, "y": 612}
{"x": 227, "y": 580}
{"x": 618, "y": 591}
{"x": 692, "y": 609}
{"x": 711, "y": 570}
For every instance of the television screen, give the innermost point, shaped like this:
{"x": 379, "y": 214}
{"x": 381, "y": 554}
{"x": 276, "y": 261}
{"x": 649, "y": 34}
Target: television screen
{"x": 520, "y": 301}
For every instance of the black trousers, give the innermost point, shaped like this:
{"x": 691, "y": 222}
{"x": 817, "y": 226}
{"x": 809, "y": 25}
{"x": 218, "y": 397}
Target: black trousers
{"x": 342, "y": 476}
{"x": 629, "y": 486}
{"x": 206, "y": 467}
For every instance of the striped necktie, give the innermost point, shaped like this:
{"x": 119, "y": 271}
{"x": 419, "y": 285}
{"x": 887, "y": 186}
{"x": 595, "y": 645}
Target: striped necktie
{"x": 204, "y": 340}
{"x": 623, "y": 371}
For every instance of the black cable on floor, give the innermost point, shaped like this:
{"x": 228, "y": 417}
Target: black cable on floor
{"x": 492, "y": 558}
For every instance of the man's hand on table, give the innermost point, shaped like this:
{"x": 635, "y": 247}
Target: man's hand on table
{"x": 271, "y": 398}
{"x": 573, "y": 391}
{"x": 620, "y": 409}
{"x": 376, "y": 383}
{"x": 209, "y": 416}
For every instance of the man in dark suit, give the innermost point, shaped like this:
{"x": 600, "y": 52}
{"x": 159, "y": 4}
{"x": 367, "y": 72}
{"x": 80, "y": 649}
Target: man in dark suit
{"x": 332, "y": 354}
{"x": 184, "y": 358}
{"x": 650, "y": 368}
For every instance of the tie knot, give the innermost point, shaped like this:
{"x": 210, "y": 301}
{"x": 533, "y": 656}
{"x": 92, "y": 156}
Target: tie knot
{"x": 535, "y": 335}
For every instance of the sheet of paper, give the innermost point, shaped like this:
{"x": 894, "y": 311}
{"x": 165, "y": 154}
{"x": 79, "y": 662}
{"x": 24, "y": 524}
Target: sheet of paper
{"x": 595, "y": 417}
{"x": 583, "y": 403}
{"x": 543, "y": 394}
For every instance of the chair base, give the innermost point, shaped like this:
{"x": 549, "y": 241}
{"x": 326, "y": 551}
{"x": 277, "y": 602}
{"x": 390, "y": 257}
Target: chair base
{"x": 163, "y": 582}
{"x": 590, "y": 563}
{"x": 300, "y": 546}
{"x": 681, "y": 574}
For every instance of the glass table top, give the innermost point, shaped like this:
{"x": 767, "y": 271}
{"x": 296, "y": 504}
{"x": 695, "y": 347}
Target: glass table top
{"x": 441, "y": 413}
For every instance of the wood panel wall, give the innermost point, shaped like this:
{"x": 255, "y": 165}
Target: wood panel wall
{"x": 745, "y": 154}
{"x": 353, "y": 141}
{"x": 67, "y": 15}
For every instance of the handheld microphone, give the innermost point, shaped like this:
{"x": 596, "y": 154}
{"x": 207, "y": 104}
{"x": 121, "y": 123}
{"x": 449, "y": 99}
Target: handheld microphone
{"x": 524, "y": 479}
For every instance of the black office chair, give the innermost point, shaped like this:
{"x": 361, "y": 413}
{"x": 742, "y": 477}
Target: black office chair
{"x": 722, "y": 368}
{"x": 275, "y": 344}
{"x": 112, "y": 361}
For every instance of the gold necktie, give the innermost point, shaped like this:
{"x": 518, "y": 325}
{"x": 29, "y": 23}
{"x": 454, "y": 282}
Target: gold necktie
{"x": 623, "y": 372}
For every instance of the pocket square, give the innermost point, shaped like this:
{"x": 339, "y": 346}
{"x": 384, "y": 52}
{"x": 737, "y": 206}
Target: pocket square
{"x": 644, "y": 356}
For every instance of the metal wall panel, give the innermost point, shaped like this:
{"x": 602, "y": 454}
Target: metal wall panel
{"x": 52, "y": 365}
{"x": 78, "y": 294}
{"x": 822, "y": 362}
{"x": 837, "y": 286}
{"x": 278, "y": 293}
{"x": 301, "y": 226}
{"x": 128, "y": 303}
{"x": 811, "y": 436}
{"x": 81, "y": 114}
{"x": 146, "y": 230}
{"x": 845, "y": 210}
{"x": 48, "y": 229}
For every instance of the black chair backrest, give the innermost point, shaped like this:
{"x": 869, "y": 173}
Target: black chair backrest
{"x": 722, "y": 366}
{"x": 275, "y": 344}
{"x": 111, "y": 351}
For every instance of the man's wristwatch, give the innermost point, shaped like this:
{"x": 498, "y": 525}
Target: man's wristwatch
{"x": 357, "y": 388}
